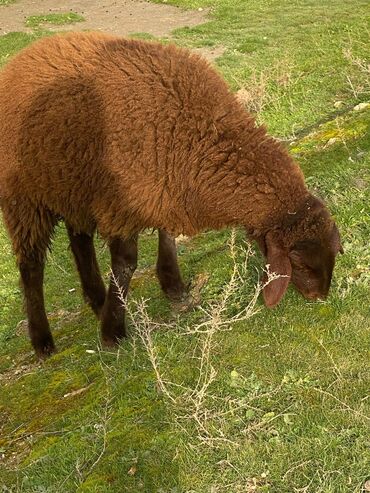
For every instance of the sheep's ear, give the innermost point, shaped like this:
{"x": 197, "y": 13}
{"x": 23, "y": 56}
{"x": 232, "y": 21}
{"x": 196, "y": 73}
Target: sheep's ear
{"x": 260, "y": 240}
{"x": 279, "y": 263}
{"x": 335, "y": 240}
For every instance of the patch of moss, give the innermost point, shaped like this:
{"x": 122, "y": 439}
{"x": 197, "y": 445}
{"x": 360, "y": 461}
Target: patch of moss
{"x": 145, "y": 36}
{"x": 35, "y": 21}
{"x": 343, "y": 129}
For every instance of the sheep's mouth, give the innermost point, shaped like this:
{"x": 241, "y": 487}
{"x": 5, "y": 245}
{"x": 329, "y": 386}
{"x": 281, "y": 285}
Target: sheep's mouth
{"x": 312, "y": 295}
{"x": 315, "y": 296}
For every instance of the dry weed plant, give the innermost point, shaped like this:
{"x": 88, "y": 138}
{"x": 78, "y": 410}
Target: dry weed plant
{"x": 363, "y": 66}
{"x": 257, "y": 95}
{"x": 197, "y": 410}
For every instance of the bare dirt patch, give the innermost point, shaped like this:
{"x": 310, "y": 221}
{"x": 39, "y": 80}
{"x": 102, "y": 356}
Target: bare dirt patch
{"x": 120, "y": 17}
{"x": 19, "y": 370}
{"x": 210, "y": 53}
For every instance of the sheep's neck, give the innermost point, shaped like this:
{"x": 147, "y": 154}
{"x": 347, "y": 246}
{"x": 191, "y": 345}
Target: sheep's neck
{"x": 257, "y": 190}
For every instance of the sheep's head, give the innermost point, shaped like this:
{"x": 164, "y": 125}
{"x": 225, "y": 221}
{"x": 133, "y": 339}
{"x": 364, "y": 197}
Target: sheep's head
{"x": 303, "y": 251}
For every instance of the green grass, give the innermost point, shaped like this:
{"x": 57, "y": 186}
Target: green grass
{"x": 296, "y": 50}
{"x": 12, "y": 42}
{"x": 6, "y": 2}
{"x": 288, "y": 409}
{"x": 35, "y": 21}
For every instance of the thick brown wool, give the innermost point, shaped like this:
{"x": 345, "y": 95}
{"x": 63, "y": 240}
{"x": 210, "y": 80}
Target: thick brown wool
{"x": 123, "y": 135}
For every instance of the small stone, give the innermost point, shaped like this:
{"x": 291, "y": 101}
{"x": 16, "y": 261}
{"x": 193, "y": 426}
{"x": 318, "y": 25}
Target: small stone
{"x": 331, "y": 141}
{"x": 75, "y": 392}
{"x": 182, "y": 239}
{"x": 361, "y": 106}
{"x": 200, "y": 9}
{"x": 338, "y": 104}
{"x": 22, "y": 328}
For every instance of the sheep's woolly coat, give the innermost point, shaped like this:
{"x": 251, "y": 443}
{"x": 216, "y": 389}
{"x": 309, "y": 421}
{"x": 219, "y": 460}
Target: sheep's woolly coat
{"x": 122, "y": 135}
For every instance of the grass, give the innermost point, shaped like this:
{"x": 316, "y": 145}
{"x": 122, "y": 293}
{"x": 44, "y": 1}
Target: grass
{"x": 276, "y": 402}
{"x": 295, "y": 49}
{"x": 12, "y": 42}
{"x": 35, "y": 21}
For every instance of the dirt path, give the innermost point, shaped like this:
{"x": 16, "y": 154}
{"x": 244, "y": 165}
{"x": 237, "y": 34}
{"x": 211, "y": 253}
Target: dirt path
{"x": 120, "y": 17}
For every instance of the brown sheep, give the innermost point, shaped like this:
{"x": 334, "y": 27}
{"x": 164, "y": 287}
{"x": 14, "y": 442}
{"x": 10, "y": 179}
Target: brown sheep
{"x": 120, "y": 135}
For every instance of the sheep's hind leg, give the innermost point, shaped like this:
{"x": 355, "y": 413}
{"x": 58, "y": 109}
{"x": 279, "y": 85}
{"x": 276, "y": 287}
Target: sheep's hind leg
{"x": 32, "y": 275}
{"x": 124, "y": 262}
{"x": 168, "y": 271}
{"x": 30, "y": 230}
{"x": 83, "y": 250}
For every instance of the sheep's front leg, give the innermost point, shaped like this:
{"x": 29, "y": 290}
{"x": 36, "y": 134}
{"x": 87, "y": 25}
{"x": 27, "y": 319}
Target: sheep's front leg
{"x": 168, "y": 271}
{"x": 82, "y": 246}
{"x": 32, "y": 275}
{"x": 124, "y": 262}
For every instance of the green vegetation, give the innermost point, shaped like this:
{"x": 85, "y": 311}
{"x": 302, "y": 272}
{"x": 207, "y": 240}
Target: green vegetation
{"x": 35, "y": 21}
{"x": 12, "y": 42}
{"x": 6, "y": 2}
{"x": 275, "y": 403}
{"x": 144, "y": 36}
{"x": 300, "y": 56}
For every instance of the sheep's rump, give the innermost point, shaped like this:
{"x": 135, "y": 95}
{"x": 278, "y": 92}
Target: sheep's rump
{"x": 92, "y": 125}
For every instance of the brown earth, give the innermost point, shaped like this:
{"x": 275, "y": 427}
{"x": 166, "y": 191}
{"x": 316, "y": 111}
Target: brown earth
{"x": 120, "y": 17}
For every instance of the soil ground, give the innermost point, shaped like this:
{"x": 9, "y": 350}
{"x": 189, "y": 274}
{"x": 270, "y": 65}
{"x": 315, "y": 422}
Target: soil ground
{"x": 121, "y": 17}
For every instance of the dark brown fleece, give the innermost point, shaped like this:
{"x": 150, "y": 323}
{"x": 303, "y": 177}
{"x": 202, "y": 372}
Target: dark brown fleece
{"x": 123, "y": 135}
{"x": 128, "y": 135}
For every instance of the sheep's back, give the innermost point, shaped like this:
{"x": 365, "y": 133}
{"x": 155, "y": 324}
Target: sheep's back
{"x": 89, "y": 119}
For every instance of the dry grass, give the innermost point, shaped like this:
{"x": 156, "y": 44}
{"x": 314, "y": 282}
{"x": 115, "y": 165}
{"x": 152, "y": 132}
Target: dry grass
{"x": 199, "y": 407}
{"x": 362, "y": 86}
{"x": 257, "y": 94}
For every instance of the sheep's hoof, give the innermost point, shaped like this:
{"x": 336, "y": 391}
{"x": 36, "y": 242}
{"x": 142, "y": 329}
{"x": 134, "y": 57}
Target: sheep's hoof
{"x": 111, "y": 342}
{"x": 177, "y": 292}
{"x": 113, "y": 335}
{"x": 44, "y": 348}
{"x": 175, "y": 295}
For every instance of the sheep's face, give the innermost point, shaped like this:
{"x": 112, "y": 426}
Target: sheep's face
{"x": 312, "y": 265}
{"x": 312, "y": 259}
{"x": 308, "y": 261}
